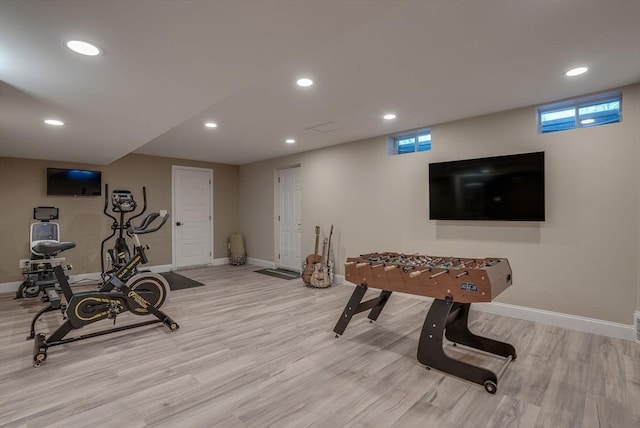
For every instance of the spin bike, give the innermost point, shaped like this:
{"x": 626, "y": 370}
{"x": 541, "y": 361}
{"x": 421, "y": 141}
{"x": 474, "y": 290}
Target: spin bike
{"x": 140, "y": 294}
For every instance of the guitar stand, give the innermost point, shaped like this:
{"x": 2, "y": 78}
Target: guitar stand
{"x": 445, "y": 318}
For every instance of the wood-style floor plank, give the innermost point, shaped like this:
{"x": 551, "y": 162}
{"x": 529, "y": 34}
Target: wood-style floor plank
{"x": 258, "y": 351}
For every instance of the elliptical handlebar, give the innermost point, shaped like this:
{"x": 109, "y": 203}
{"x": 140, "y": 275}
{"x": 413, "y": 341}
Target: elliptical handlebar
{"x": 144, "y": 204}
{"x": 106, "y": 206}
{"x": 147, "y": 221}
{"x": 113, "y": 229}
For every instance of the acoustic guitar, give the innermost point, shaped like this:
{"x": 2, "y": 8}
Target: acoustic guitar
{"x": 322, "y": 275}
{"x": 311, "y": 261}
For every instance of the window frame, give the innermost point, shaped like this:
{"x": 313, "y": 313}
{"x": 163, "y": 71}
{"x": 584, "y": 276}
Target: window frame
{"x": 576, "y": 104}
{"x": 393, "y": 146}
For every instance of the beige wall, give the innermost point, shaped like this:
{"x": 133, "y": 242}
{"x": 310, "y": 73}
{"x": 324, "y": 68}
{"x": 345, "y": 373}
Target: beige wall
{"x": 23, "y": 186}
{"x": 583, "y": 260}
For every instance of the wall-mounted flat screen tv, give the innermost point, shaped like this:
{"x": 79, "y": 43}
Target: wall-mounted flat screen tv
{"x": 73, "y": 182}
{"x": 495, "y": 188}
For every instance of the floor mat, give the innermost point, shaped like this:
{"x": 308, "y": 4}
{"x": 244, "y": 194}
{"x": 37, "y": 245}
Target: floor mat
{"x": 179, "y": 282}
{"x": 279, "y": 273}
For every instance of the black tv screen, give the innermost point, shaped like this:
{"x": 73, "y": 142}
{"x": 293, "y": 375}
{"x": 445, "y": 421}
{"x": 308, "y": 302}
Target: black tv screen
{"x": 74, "y": 182}
{"x": 495, "y": 188}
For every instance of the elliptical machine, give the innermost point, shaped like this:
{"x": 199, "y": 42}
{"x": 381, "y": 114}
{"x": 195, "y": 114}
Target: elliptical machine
{"x": 44, "y": 247}
{"x": 140, "y": 294}
{"x": 122, "y": 202}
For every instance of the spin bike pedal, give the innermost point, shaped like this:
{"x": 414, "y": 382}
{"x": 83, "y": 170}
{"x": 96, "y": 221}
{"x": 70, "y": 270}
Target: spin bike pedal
{"x": 39, "y": 349}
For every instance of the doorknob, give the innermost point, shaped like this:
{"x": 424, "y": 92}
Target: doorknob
{"x": 178, "y": 223}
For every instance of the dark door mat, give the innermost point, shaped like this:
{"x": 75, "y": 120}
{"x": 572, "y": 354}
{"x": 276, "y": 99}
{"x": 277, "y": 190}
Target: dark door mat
{"x": 179, "y": 282}
{"x": 279, "y": 273}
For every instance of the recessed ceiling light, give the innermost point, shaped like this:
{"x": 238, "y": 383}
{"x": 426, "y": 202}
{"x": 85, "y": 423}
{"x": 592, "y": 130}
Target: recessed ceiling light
{"x": 587, "y": 121}
{"x": 389, "y": 116}
{"x": 54, "y": 122}
{"x": 83, "y": 48}
{"x": 304, "y": 82}
{"x": 211, "y": 125}
{"x": 576, "y": 71}
{"x": 290, "y": 141}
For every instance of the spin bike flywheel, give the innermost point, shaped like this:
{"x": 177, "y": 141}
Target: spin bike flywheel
{"x": 93, "y": 307}
{"x": 152, "y": 287}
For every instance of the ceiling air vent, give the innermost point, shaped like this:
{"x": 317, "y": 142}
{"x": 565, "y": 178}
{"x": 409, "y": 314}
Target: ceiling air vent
{"x": 325, "y": 128}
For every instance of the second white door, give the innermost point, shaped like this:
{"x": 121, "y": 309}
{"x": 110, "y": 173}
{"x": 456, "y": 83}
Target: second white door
{"x": 290, "y": 220}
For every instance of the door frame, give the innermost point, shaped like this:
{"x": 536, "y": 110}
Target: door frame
{"x": 173, "y": 210}
{"x": 276, "y": 212}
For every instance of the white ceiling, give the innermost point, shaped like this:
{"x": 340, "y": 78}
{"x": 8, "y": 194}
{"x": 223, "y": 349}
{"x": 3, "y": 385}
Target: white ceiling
{"x": 169, "y": 66}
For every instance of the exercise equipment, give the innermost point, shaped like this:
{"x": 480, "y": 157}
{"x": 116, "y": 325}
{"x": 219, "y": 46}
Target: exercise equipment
{"x": 122, "y": 203}
{"x": 140, "y": 294}
{"x": 454, "y": 283}
{"x": 44, "y": 247}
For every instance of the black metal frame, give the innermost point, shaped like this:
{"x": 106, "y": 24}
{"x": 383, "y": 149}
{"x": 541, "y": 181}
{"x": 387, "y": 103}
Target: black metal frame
{"x": 355, "y": 306}
{"x": 445, "y": 318}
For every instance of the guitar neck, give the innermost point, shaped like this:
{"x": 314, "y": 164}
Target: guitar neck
{"x": 324, "y": 249}
{"x": 315, "y": 251}
{"x": 329, "y": 246}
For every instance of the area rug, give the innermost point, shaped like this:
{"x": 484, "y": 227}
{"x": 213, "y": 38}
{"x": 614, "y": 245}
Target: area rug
{"x": 279, "y": 273}
{"x": 179, "y": 282}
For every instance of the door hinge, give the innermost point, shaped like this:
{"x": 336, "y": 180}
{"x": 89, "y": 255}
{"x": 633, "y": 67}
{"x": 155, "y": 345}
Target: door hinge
{"x": 278, "y": 218}
{"x": 278, "y": 179}
{"x": 278, "y": 256}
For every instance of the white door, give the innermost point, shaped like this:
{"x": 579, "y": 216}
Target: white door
{"x": 290, "y": 219}
{"x": 192, "y": 216}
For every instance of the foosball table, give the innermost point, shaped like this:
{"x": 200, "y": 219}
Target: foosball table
{"x": 453, "y": 283}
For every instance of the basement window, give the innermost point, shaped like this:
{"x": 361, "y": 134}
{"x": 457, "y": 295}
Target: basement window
{"x": 582, "y": 112}
{"x": 415, "y": 141}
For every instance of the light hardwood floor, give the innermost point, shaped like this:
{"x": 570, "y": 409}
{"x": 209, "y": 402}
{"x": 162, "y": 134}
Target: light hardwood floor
{"x": 257, "y": 351}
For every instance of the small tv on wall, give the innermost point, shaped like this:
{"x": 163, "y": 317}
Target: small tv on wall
{"x": 507, "y": 188}
{"x": 73, "y": 182}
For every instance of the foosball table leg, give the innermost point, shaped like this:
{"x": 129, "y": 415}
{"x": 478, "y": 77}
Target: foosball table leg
{"x": 375, "y": 312}
{"x": 457, "y": 331}
{"x": 356, "y": 305}
{"x": 431, "y": 353}
{"x": 350, "y": 309}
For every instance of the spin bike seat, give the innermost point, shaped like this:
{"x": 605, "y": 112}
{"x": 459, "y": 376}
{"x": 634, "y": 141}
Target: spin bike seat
{"x": 50, "y": 248}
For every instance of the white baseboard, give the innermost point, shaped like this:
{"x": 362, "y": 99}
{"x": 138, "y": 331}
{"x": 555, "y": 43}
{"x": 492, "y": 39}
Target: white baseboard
{"x": 557, "y": 319}
{"x": 159, "y": 268}
{"x": 80, "y": 279}
{"x": 262, "y": 263}
{"x": 10, "y": 287}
